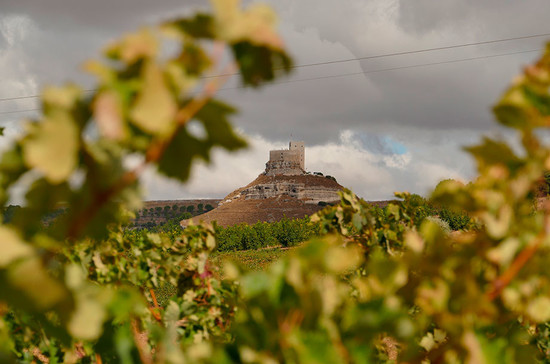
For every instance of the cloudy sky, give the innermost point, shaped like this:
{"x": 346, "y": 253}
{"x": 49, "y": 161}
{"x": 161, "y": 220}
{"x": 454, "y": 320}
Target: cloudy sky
{"x": 376, "y": 130}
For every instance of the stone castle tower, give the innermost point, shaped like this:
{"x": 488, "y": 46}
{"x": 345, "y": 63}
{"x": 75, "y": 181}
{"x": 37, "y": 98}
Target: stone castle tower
{"x": 288, "y": 162}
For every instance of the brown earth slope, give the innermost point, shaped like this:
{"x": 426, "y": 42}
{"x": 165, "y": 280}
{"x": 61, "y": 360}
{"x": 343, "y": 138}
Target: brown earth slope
{"x": 270, "y": 198}
{"x": 251, "y": 211}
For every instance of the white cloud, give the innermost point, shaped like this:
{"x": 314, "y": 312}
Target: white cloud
{"x": 371, "y": 175}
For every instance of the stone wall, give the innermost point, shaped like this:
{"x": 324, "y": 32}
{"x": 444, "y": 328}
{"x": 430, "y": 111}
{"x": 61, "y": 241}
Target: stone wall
{"x": 287, "y": 161}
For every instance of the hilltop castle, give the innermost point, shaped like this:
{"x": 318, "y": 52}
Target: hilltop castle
{"x": 287, "y": 162}
{"x": 284, "y": 189}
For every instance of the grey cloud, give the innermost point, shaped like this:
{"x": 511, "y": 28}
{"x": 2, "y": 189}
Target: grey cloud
{"x": 508, "y": 17}
{"x": 431, "y": 110}
{"x": 97, "y": 14}
{"x": 444, "y": 97}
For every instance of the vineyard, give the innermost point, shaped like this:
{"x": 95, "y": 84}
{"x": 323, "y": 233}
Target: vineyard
{"x": 460, "y": 277}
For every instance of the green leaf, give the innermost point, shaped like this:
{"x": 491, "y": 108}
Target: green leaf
{"x": 214, "y": 117}
{"x": 258, "y": 64}
{"x": 492, "y": 152}
{"x": 200, "y": 26}
{"x": 184, "y": 148}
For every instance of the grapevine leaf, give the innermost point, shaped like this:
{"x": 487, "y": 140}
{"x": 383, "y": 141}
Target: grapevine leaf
{"x": 214, "y": 117}
{"x": 492, "y": 152}
{"x": 200, "y": 26}
{"x": 184, "y": 148}
{"x": 108, "y": 112}
{"x": 155, "y": 106}
{"x": 42, "y": 291}
{"x": 43, "y": 150}
{"x": 13, "y": 247}
{"x": 134, "y": 47}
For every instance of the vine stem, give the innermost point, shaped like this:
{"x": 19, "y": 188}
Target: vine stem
{"x": 141, "y": 341}
{"x": 153, "y": 154}
{"x": 154, "y": 309}
{"x": 524, "y": 256}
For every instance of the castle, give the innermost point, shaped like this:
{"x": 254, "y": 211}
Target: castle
{"x": 284, "y": 189}
{"x": 287, "y": 162}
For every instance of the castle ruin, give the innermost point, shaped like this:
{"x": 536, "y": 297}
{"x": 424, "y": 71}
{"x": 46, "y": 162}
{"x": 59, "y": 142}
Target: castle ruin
{"x": 287, "y": 162}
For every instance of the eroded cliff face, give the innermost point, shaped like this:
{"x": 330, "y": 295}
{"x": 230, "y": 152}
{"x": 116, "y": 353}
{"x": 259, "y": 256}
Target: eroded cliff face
{"x": 310, "y": 189}
{"x": 310, "y": 194}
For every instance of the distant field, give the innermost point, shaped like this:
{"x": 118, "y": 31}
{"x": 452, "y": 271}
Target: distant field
{"x": 251, "y": 259}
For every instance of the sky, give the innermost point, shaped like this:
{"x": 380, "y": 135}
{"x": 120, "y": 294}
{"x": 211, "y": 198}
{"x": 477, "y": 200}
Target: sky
{"x": 376, "y": 130}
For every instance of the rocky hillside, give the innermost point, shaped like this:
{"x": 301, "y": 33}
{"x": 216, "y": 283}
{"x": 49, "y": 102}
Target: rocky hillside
{"x": 270, "y": 198}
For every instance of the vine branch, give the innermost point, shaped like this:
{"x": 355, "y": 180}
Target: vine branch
{"x": 526, "y": 254}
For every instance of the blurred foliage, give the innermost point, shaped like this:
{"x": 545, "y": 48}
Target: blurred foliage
{"x": 376, "y": 285}
{"x": 82, "y": 289}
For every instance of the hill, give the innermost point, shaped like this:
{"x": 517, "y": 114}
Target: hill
{"x": 270, "y": 198}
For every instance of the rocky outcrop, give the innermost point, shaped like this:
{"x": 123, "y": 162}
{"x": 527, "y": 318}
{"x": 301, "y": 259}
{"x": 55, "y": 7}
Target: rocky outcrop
{"x": 310, "y": 189}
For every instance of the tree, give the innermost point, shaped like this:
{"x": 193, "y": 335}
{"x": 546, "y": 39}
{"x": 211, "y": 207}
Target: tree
{"x": 190, "y": 208}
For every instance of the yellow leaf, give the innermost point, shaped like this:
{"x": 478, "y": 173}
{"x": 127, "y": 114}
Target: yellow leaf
{"x": 64, "y": 97}
{"x": 155, "y": 106}
{"x": 52, "y": 147}
{"x": 109, "y": 116}
{"x": 12, "y": 247}
{"x": 33, "y": 279}
{"x": 101, "y": 71}
{"x": 539, "y": 309}
{"x": 340, "y": 260}
{"x": 414, "y": 241}
{"x": 498, "y": 226}
{"x": 503, "y": 253}
{"x": 87, "y": 320}
{"x": 142, "y": 44}
{"x": 256, "y": 24}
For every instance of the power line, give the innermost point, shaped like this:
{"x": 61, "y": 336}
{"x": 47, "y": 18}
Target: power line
{"x": 356, "y": 73}
{"x": 392, "y": 68}
{"x": 33, "y": 96}
{"x": 354, "y": 59}
{"x": 406, "y": 52}
{"x": 18, "y": 111}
